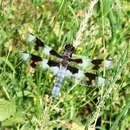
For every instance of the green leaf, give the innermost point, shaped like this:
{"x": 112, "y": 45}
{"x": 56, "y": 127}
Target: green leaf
{"x": 107, "y": 6}
{"x": 9, "y": 64}
{"x": 7, "y": 108}
{"x": 19, "y": 117}
{"x": 123, "y": 113}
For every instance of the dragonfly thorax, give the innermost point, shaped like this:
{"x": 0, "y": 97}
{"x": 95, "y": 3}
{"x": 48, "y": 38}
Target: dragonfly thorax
{"x": 65, "y": 63}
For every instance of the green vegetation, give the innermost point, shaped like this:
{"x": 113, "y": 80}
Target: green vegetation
{"x": 25, "y": 102}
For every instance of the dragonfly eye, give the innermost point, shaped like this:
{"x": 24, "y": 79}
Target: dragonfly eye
{"x": 69, "y": 47}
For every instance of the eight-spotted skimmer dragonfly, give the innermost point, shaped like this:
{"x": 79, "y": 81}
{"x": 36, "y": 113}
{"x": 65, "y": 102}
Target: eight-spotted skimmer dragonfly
{"x": 63, "y": 68}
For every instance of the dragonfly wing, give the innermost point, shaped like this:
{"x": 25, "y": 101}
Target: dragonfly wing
{"x": 38, "y": 43}
{"x": 53, "y": 66}
{"x": 92, "y": 79}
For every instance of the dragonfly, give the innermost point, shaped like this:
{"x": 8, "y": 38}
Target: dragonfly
{"x": 62, "y": 67}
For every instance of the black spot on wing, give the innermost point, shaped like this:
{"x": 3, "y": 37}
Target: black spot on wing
{"x": 34, "y": 60}
{"x": 38, "y": 44}
{"x": 73, "y": 70}
{"x": 54, "y": 53}
{"x": 89, "y": 82}
{"x": 91, "y": 78}
{"x": 52, "y": 63}
{"x": 96, "y": 67}
{"x": 96, "y": 63}
{"x": 77, "y": 60}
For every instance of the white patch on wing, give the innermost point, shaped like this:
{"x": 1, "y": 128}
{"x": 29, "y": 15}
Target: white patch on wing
{"x": 68, "y": 73}
{"x": 54, "y": 70}
{"x": 31, "y": 38}
{"x": 78, "y": 75}
{"x": 47, "y": 50}
{"x": 108, "y": 64}
{"x": 100, "y": 81}
{"x": 85, "y": 63}
{"x": 25, "y": 56}
{"x": 44, "y": 63}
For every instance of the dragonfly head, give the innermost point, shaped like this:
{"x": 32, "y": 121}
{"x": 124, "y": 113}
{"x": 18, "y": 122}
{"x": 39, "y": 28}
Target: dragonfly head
{"x": 69, "y": 49}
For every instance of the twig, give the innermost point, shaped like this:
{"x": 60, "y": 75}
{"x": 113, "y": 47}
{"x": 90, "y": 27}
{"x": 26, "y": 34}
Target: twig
{"x": 84, "y": 24}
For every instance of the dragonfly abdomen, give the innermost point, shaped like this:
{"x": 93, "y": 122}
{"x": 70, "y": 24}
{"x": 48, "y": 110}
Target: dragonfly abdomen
{"x": 58, "y": 84}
